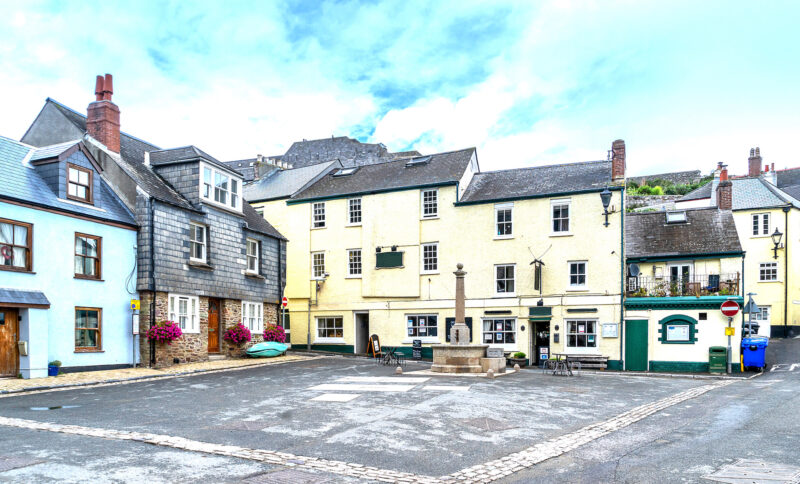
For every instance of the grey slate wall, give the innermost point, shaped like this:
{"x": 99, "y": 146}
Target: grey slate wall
{"x": 52, "y": 174}
{"x": 143, "y": 243}
{"x": 226, "y": 254}
{"x": 184, "y": 177}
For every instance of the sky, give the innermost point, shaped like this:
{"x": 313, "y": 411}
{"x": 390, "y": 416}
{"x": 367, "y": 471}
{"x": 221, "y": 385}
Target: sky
{"x": 685, "y": 84}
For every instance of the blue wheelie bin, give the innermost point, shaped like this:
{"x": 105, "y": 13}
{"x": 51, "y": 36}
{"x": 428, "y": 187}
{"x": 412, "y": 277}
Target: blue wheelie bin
{"x": 754, "y": 350}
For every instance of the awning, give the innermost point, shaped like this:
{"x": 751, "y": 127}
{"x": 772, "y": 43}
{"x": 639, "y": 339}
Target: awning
{"x": 20, "y": 298}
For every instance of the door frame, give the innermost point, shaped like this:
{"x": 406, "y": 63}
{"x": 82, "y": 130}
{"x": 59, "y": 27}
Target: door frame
{"x": 219, "y": 325}
{"x": 14, "y": 345}
{"x": 356, "y": 332}
{"x": 627, "y": 325}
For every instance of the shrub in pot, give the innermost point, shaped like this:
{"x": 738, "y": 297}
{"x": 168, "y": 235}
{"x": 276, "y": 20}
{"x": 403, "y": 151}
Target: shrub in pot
{"x": 518, "y": 358}
{"x": 237, "y": 334}
{"x": 53, "y": 368}
{"x": 164, "y": 332}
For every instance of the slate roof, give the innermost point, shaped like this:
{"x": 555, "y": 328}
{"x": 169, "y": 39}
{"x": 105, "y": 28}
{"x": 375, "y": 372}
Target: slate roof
{"x": 19, "y": 296}
{"x": 284, "y": 183}
{"x": 749, "y": 193}
{"x": 21, "y": 181}
{"x": 184, "y": 154}
{"x": 707, "y": 231}
{"x": 441, "y": 169}
{"x": 793, "y": 191}
{"x": 131, "y": 159}
{"x": 697, "y": 193}
{"x": 788, "y": 177}
{"x": 538, "y": 181}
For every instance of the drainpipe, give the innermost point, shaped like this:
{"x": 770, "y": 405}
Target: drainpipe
{"x": 622, "y": 273}
{"x": 280, "y": 289}
{"x": 152, "y": 280}
{"x": 786, "y": 271}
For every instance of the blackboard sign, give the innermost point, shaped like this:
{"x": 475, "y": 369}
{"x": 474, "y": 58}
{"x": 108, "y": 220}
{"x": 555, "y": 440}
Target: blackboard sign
{"x": 449, "y": 322}
{"x": 374, "y": 347}
{"x": 416, "y": 349}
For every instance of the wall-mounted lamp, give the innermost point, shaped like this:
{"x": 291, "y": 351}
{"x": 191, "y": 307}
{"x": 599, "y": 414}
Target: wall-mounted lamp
{"x": 776, "y": 239}
{"x": 394, "y": 248}
{"x": 377, "y": 249}
{"x": 605, "y": 197}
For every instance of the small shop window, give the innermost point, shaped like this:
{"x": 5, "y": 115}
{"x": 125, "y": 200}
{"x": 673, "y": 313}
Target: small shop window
{"x": 330, "y": 327}
{"x": 581, "y": 333}
{"x": 499, "y": 331}
{"x": 422, "y": 325}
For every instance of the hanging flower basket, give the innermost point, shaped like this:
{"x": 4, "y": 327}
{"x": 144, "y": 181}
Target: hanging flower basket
{"x": 164, "y": 332}
{"x": 274, "y": 333}
{"x": 237, "y": 335}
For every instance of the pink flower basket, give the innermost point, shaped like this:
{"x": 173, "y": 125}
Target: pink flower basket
{"x": 164, "y": 332}
{"x": 274, "y": 333}
{"x": 237, "y": 335}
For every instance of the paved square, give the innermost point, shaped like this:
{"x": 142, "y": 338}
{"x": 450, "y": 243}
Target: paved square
{"x": 466, "y": 422}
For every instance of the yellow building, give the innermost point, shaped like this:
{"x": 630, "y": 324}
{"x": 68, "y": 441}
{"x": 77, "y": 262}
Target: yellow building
{"x": 766, "y": 210}
{"x": 372, "y": 251}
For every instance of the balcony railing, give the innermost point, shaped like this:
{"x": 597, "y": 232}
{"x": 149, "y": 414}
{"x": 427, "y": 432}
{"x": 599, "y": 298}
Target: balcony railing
{"x": 694, "y": 285}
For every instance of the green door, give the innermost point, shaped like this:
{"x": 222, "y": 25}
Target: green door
{"x": 636, "y": 345}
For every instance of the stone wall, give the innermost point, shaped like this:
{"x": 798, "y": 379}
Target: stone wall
{"x": 190, "y": 347}
{"x": 658, "y": 202}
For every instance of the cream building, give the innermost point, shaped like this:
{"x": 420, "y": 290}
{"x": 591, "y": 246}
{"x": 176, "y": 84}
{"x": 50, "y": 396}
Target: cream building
{"x": 373, "y": 248}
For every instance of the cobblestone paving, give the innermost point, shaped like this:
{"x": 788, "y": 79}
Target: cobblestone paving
{"x": 9, "y": 385}
{"x": 486, "y": 472}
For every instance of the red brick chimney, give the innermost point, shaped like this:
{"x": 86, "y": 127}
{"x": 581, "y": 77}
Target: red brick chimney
{"x": 618, "y": 160}
{"x": 102, "y": 119}
{"x": 724, "y": 190}
{"x": 754, "y": 162}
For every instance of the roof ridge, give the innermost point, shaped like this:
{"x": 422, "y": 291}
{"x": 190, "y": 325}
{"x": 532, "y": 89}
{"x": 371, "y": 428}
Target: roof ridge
{"x": 543, "y": 166}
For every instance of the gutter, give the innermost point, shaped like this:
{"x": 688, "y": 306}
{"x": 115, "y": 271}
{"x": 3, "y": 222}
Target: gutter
{"x": 657, "y": 258}
{"x": 543, "y": 195}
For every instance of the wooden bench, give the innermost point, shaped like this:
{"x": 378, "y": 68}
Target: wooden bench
{"x": 589, "y": 361}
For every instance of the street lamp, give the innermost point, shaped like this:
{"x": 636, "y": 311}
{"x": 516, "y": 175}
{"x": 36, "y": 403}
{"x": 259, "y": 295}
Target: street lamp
{"x": 776, "y": 239}
{"x": 605, "y": 197}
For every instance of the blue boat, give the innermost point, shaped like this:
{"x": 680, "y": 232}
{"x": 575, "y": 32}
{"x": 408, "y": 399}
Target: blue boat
{"x": 267, "y": 349}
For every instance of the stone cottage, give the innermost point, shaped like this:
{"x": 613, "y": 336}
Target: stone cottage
{"x": 206, "y": 259}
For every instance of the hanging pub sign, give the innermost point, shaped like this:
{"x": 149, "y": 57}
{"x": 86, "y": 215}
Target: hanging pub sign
{"x": 416, "y": 349}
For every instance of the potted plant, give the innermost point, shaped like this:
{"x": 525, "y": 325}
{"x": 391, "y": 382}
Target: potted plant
{"x": 53, "y": 368}
{"x": 518, "y": 358}
{"x": 274, "y": 333}
{"x": 237, "y": 335}
{"x": 164, "y": 332}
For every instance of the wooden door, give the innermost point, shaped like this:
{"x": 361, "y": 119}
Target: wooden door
{"x": 636, "y": 345}
{"x": 213, "y": 325}
{"x": 9, "y": 331}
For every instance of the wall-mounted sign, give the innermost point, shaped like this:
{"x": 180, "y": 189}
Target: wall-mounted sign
{"x": 678, "y": 332}
{"x": 610, "y": 330}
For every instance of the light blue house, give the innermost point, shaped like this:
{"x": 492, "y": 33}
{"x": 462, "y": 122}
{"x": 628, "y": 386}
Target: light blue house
{"x": 67, "y": 262}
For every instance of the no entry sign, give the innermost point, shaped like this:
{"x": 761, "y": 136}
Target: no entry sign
{"x": 285, "y": 301}
{"x": 729, "y": 308}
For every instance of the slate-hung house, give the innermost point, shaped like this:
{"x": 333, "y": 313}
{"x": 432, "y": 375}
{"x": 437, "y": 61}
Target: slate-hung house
{"x": 766, "y": 210}
{"x": 374, "y": 247}
{"x": 67, "y": 262}
{"x": 206, "y": 259}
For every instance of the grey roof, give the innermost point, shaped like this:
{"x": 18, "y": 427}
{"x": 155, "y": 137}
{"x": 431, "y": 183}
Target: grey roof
{"x": 285, "y": 183}
{"x": 678, "y": 177}
{"x": 258, "y": 223}
{"x": 52, "y": 151}
{"x": 793, "y": 191}
{"x": 442, "y": 168}
{"x": 349, "y": 151}
{"x": 788, "y": 177}
{"x": 697, "y": 193}
{"x": 405, "y": 154}
{"x": 707, "y": 231}
{"x": 19, "y": 296}
{"x": 22, "y": 182}
{"x": 750, "y": 193}
{"x": 184, "y": 154}
{"x": 538, "y": 181}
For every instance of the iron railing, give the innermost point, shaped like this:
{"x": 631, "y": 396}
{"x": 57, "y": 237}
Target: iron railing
{"x": 694, "y": 285}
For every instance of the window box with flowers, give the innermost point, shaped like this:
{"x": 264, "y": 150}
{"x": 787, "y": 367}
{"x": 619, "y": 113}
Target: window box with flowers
{"x": 237, "y": 335}
{"x": 164, "y": 332}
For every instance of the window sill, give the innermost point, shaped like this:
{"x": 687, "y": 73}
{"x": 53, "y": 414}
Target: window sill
{"x": 429, "y": 218}
{"x": 318, "y": 228}
{"x": 353, "y": 277}
{"x": 21, "y": 271}
{"x": 767, "y": 282}
{"x": 578, "y": 289}
{"x": 84, "y": 278}
{"x": 335, "y": 341}
{"x": 505, "y": 295}
{"x": 352, "y": 225}
{"x": 200, "y": 265}
{"x": 429, "y": 273}
{"x": 253, "y": 275}
{"x": 88, "y": 350}
{"x": 426, "y": 340}
{"x": 561, "y": 234}
{"x": 503, "y": 237}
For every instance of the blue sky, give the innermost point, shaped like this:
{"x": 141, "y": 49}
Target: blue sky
{"x": 686, "y": 84}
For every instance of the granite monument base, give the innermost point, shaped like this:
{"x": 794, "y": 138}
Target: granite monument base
{"x": 458, "y": 358}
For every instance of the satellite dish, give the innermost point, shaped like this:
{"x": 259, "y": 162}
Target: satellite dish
{"x": 633, "y": 269}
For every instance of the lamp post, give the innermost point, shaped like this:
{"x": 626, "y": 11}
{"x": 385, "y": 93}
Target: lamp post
{"x": 605, "y": 197}
{"x": 776, "y": 239}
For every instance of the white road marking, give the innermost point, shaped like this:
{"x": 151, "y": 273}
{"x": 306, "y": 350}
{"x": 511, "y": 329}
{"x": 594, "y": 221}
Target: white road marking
{"x": 333, "y": 387}
{"x": 381, "y": 379}
{"x": 336, "y": 397}
{"x": 784, "y": 367}
{"x": 447, "y": 388}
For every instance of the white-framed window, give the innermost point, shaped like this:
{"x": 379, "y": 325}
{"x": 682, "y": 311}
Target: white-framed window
{"x": 354, "y": 262}
{"x": 185, "y": 311}
{"x": 253, "y": 256}
{"x": 760, "y": 224}
{"x": 577, "y": 275}
{"x": 430, "y": 203}
{"x": 330, "y": 329}
{"x": 503, "y": 215}
{"x": 220, "y": 187}
{"x": 504, "y": 280}
{"x": 253, "y": 316}
{"x": 422, "y": 325}
{"x": 317, "y": 264}
{"x": 318, "y": 215}
{"x": 762, "y": 314}
{"x": 197, "y": 242}
{"x": 768, "y": 271}
{"x": 500, "y": 331}
{"x": 581, "y": 333}
{"x": 430, "y": 258}
{"x": 560, "y": 216}
{"x": 354, "y": 211}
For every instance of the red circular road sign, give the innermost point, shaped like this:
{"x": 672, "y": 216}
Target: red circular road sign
{"x": 285, "y": 301}
{"x": 729, "y": 308}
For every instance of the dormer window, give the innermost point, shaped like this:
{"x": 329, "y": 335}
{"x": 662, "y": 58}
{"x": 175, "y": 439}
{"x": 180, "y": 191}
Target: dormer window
{"x": 676, "y": 217}
{"x": 79, "y": 183}
{"x": 220, "y": 188}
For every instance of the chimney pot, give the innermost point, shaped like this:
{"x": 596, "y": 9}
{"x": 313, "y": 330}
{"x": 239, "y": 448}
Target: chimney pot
{"x": 754, "y": 163}
{"x": 773, "y": 166}
{"x": 108, "y": 87}
{"x": 98, "y": 88}
{"x": 102, "y": 116}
